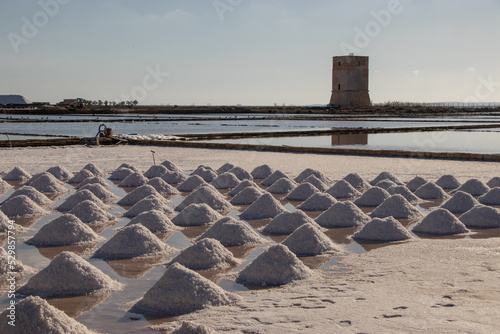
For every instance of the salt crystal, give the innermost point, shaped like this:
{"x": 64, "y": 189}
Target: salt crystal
{"x": 474, "y": 187}
{"x": 308, "y": 172}
{"x": 342, "y": 214}
{"x": 206, "y": 194}
{"x": 196, "y": 214}
{"x": 162, "y": 187}
{"x": 134, "y": 180}
{"x": 21, "y": 207}
{"x": 386, "y": 176}
{"x": 154, "y": 220}
{"x": 60, "y": 173}
{"x": 224, "y": 168}
{"x": 120, "y": 174}
{"x": 343, "y": 190}
{"x": 191, "y": 183}
{"x": 80, "y": 196}
{"x": 261, "y": 172}
{"x": 494, "y": 182}
{"x": 287, "y": 222}
{"x": 241, "y": 173}
{"x": 382, "y": 230}
{"x": 94, "y": 169}
{"x": 138, "y": 194}
{"x": 308, "y": 240}
{"x": 275, "y": 176}
{"x": 415, "y": 183}
{"x": 242, "y": 185}
{"x": 33, "y": 194}
{"x": 441, "y": 222}
{"x": 301, "y": 192}
{"x": 430, "y": 190}
{"x": 155, "y": 171}
{"x": 171, "y": 166}
{"x": 492, "y": 197}
{"x": 315, "y": 181}
{"x": 205, "y": 254}
{"x": 481, "y": 216}
{"x": 374, "y": 196}
{"x": 318, "y": 202}
{"x": 100, "y": 192}
{"x": 225, "y": 180}
{"x": 448, "y": 182}
{"x": 403, "y": 191}
{"x": 17, "y": 174}
{"x": 173, "y": 177}
{"x": 396, "y": 206}
{"x": 247, "y": 196}
{"x": 151, "y": 202}
{"x": 94, "y": 180}
{"x": 282, "y": 186}
{"x": 460, "y": 202}
{"x": 356, "y": 181}
{"x": 90, "y": 213}
{"x": 232, "y": 232}
{"x": 80, "y": 176}
{"x": 266, "y": 206}
{"x": 206, "y": 172}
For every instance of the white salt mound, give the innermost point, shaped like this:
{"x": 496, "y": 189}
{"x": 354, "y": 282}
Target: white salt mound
{"x": 100, "y": 192}
{"x": 68, "y": 275}
{"x": 224, "y": 168}
{"x": 4, "y": 223}
{"x": 80, "y": 176}
{"x": 396, "y": 206}
{"x": 494, "y": 182}
{"x": 275, "y": 266}
{"x": 282, "y": 186}
{"x": 47, "y": 183}
{"x": 343, "y": 189}
{"x": 151, "y": 202}
{"x": 209, "y": 195}
{"x": 386, "y": 176}
{"x": 121, "y": 174}
{"x": 196, "y": 214}
{"x": 474, "y": 187}
{"x": 287, "y": 222}
{"x": 154, "y": 220}
{"x": 318, "y": 202}
{"x": 261, "y": 172}
{"x": 206, "y": 173}
{"x": 4, "y": 186}
{"x": 162, "y": 187}
{"x": 93, "y": 180}
{"x": 173, "y": 177}
{"x": 35, "y": 315}
{"x": 231, "y": 232}
{"x": 403, "y": 191}
{"x": 492, "y": 197}
{"x": 171, "y": 166}
{"x": 308, "y": 172}
{"x": 127, "y": 165}
{"x": 382, "y": 230}
{"x": 90, "y": 213}
{"x": 441, "y": 222}
{"x": 247, "y": 196}
{"x": 94, "y": 170}
{"x": 386, "y": 184}
{"x": 17, "y": 174}
{"x": 460, "y": 202}
{"x": 315, "y": 181}
{"x": 266, "y": 206}
{"x": 206, "y": 254}
{"x": 308, "y": 240}
{"x": 155, "y": 171}
{"x": 415, "y": 183}
{"x": 240, "y": 173}
{"x": 21, "y": 207}
{"x": 134, "y": 180}
{"x": 77, "y": 198}
{"x": 225, "y": 180}
{"x": 342, "y": 214}
{"x": 356, "y": 181}
{"x": 242, "y": 185}
{"x": 180, "y": 291}
{"x": 430, "y": 190}
{"x": 191, "y": 183}
{"x": 374, "y": 196}
{"x": 481, "y": 216}
{"x": 130, "y": 242}
{"x": 301, "y": 192}
{"x": 60, "y": 173}
{"x": 448, "y": 182}
{"x": 138, "y": 194}
{"x": 33, "y": 194}
{"x": 275, "y": 176}
{"x": 63, "y": 231}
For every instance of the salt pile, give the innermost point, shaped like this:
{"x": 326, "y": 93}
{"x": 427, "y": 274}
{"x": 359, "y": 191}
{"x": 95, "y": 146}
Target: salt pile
{"x": 247, "y": 196}
{"x": 191, "y": 183}
{"x": 386, "y": 184}
{"x": 155, "y": 171}
{"x": 173, "y": 177}
{"x": 481, "y": 216}
{"x": 242, "y": 185}
{"x": 374, "y": 196}
{"x": 276, "y": 266}
{"x": 46, "y": 183}
{"x": 151, "y": 202}
{"x": 129, "y": 166}
{"x": 4, "y": 223}
{"x": 382, "y": 230}
{"x": 441, "y": 222}
{"x": 396, "y": 206}
{"x": 241, "y": 173}
{"x": 120, "y": 174}
{"x": 415, "y": 183}
{"x": 430, "y": 190}
{"x": 403, "y": 191}
{"x": 206, "y": 173}
{"x": 180, "y": 291}
{"x": 4, "y": 186}
{"x": 162, "y": 187}
{"x": 386, "y": 176}
{"x": 206, "y": 254}
{"x": 460, "y": 202}
{"x": 343, "y": 189}
{"x": 68, "y": 275}
{"x": 130, "y": 242}
{"x": 275, "y": 176}
{"x": 494, "y": 182}
{"x": 21, "y": 207}
{"x": 474, "y": 187}
{"x": 35, "y": 315}
{"x": 187, "y": 327}
{"x": 90, "y": 213}
{"x": 94, "y": 170}
{"x": 80, "y": 176}
{"x": 356, "y": 181}
{"x": 448, "y": 182}
{"x": 171, "y": 166}
{"x": 342, "y": 214}
{"x": 318, "y": 202}
{"x": 206, "y": 194}
{"x": 224, "y": 168}
{"x": 196, "y": 215}
{"x": 100, "y": 192}
{"x": 287, "y": 222}
{"x": 225, "y": 180}
{"x": 301, "y": 192}
{"x": 266, "y": 206}
{"x": 77, "y": 198}
{"x": 492, "y": 197}
{"x": 154, "y": 220}
{"x": 308, "y": 240}
{"x": 138, "y": 194}
{"x": 33, "y": 194}
{"x": 282, "y": 186}
{"x": 63, "y": 231}
{"x": 312, "y": 179}
{"x": 60, "y": 173}
{"x": 7, "y": 267}
{"x": 231, "y": 232}
{"x": 261, "y": 172}
{"x": 308, "y": 172}
{"x": 93, "y": 180}
{"x": 134, "y": 180}
{"x": 17, "y": 174}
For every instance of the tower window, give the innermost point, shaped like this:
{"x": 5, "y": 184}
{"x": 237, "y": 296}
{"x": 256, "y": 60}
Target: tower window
{"x": 340, "y": 63}
{"x": 358, "y": 63}
{"x": 339, "y": 86}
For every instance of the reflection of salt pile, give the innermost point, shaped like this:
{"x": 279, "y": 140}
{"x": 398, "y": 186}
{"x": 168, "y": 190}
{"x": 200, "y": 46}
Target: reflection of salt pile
{"x": 93, "y": 180}
{"x": 138, "y": 194}
{"x": 206, "y": 172}
{"x": 261, "y": 172}
{"x": 396, "y": 206}
{"x": 17, "y": 174}
{"x": 494, "y": 182}
{"x": 308, "y": 240}
{"x": 382, "y": 230}
{"x": 343, "y": 189}
{"x": 430, "y": 190}
{"x": 224, "y": 168}
{"x": 481, "y": 216}
{"x": 191, "y": 183}
{"x": 242, "y": 185}
{"x": 240, "y": 173}
{"x": 266, "y": 206}
{"x": 415, "y": 183}
{"x": 386, "y": 184}
{"x": 448, "y": 182}
{"x": 386, "y": 176}
{"x": 4, "y": 186}
{"x": 474, "y": 187}
{"x": 134, "y": 180}
{"x": 162, "y": 187}
{"x": 180, "y": 291}
{"x": 318, "y": 202}
{"x": 232, "y": 232}
{"x": 374, "y": 196}
{"x": 77, "y": 198}
{"x": 282, "y": 186}
{"x": 173, "y": 177}
{"x": 121, "y": 173}
{"x": 63, "y": 231}
{"x": 206, "y": 194}
{"x": 403, "y": 191}
{"x": 196, "y": 214}
{"x": 155, "y": 171}
{"x": 80, "y": 176}
{"x": 21, "y": 207}
{"x": 315, "y": 181}
{"x": 492, "y": 197}
{"x": 287, "y": 222}
{"x": 132, "y": 241}
{"x": 247, "y": 196}
{"x": 460, "y": 202}
{"x": 35, "y": 315}
{"x": 100, "y": 192}
{"x": 206, "y": 254}
{"x": 90, "y": 213}
{"x": 33, "y": 194}
{"x": 442, "y": 222}
{"x": 47, "y": 183}
{"x": 308, "y": 172}
{"x": 275, "y": 176}
{"x": 276, "y": 266}
{"x": 342, "y": 214}
{"x": 94, "y": 170}
{"x": 301, "y": 192}
{"x": 152, "y": 202}
{"x": 154, "y": 220}
{"x": 225, "y": 180}
{"x": 356, "y": 181}
{"x": 66, "y": 275}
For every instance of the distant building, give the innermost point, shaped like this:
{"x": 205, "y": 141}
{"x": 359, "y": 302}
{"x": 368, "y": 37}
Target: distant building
{"x": 13, "y": 99}
{"x": 350, "y": 81}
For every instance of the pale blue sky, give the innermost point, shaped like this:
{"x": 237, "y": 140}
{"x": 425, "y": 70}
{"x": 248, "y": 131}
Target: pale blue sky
{"x": 250, "y": 52}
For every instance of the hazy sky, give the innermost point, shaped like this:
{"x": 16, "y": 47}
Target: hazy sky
{"x": 250, "y": 52}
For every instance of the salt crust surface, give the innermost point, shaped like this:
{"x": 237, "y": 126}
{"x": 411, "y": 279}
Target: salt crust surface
{"x": 151, "y": 202}
{"x": 138, "y": 194}
{"x": 134, "y": 180}
{"x": 35, "y": 315}
{"x": 22, "y": 206}
{"x": 206, "y": 254}
{"x": 474, "y": 187}
{"x": 481, "y": 216}
{"x": 173, "y": 177}
{"x": 261, "y": 172}
{"x": 415, "y": 183}
{"x": 282, "y": 186}
{"x": 78, "y": 197}
{"x": 448, "y": 181}
{"x": 191, "y": 183}
{"x": 242, "y": 185}
{"x": 374, "y": 196}
{"x": 232, "y": 232}
{"x": 33, "y": 194}
{"x": 121, "y": 174}
{"x": 206, "y": 173}
{"x": 155, "y": 171}
{"x": 315, "y": 181}
{"x": 226, "y": 180}
{"x": 17, "y": 174}
{"x": 403, "y": 191}
{"x": 494, "y": 182}
{"x": 343, "y": 214}
{"x": 171, "y": 166}
{"x": 247, "y": 196}
{"x": 206, "y": 194}
{"x": 382, "y": 230}
{"x": 100, "y": 192}
{"x": 343, "y": 189}
{"x": 440, "y": 222}
{"x": 162, "y": 187}
{"x": 68, "y": 275}
{"x": 94, "y": 180}
{"x": 356, "y": 181}
{"x": 90, "y": 213}
{"x": 266, "y": 206}
{"x": 308, "y": 240}
{"x": 130, "y": 242}
{"x": 460, "y": 202}
{"x": 492, "y": 197}
{"x": 308, "y": 172}
{"x": 287, "y": 222}
{"x": 275, "y": 176}
{"x": 241, "y": 173}
{"x": 318, "y": 202}
{"x": 386, "y": 184}
{"x": 154, "y": 220}
{"x": 301, "y": 192}
{"x": 60, "y": 172}
{"x": 179, "y": 291}
{"x": 196, "y": 214}
{"x": 275, "y": 266}
{"x": 386, "y": 176}
{"x": 80, "y": 176}
{"x": 94, "y": 169}
{"x": 224, "y": 168}
{"x": 430, "y": 190}
{"x": 47, "y": 183}
{"x": 396, "y": 206}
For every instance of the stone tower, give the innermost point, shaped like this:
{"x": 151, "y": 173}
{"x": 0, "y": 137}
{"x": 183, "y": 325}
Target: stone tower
{"x": 350, "y": 81}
